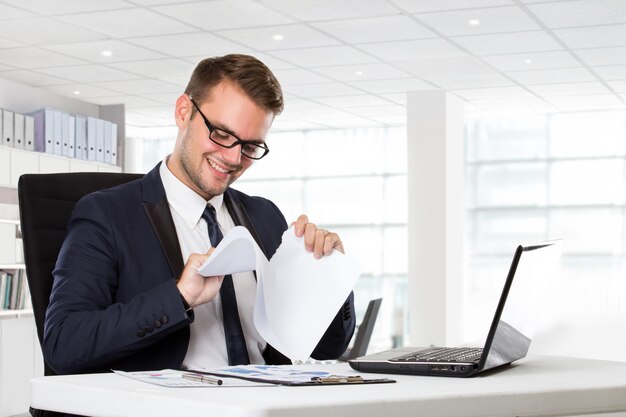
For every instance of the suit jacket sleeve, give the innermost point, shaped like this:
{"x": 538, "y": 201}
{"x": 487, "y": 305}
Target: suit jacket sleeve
{"x": 96, "y": 316}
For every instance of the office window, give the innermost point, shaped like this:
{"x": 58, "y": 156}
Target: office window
{"x": 353, "y": 182}
{"x": 542, "y": 177}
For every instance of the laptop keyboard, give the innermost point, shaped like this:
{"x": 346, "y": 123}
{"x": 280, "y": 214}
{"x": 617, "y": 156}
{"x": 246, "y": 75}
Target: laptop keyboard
{"x": 441, "y": 355}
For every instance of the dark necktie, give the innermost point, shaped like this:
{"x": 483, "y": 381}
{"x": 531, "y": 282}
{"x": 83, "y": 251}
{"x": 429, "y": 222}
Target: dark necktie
{"x": 235, "y": 342}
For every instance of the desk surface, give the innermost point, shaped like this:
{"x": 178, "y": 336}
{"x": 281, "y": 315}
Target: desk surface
{"x": 535, "y": 386}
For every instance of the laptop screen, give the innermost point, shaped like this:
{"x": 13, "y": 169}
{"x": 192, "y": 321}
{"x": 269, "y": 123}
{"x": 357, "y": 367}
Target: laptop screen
{"x": 523, "y": 297}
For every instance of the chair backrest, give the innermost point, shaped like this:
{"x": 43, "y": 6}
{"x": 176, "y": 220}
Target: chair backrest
{"x": 363, "y": 332}
{"x": 46, "y": 202}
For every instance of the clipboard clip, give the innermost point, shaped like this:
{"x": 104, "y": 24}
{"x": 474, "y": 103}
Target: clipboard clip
{"x": 334, "y": 379}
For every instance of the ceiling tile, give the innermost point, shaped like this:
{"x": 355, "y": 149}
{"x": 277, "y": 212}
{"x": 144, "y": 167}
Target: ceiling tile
{"x": 6, "y": 44}
{"x": 586, "y": 102}
{"x": 376, "y": 111}
{"x": 317, "y": 57}
{"x": 8, "y": 12}
{"x": 321, "y": 90}
{"x": 416, "y": 49}
{"x": 399, "y": 98}
{"x": 35, "y": 58}
{"x": 351, "y": 122}
{"x": 569, "y": 89}
{"x": 618, "y": 86}
{"x": 285, "y": 125}
{"x": 392, "y": 86}
{"x": 191, "y": 44}
{"x": 272, "y": 62}
{"x": 156, "y": 68}
{"x": 44, "y": 31}
{"x": 611, "y": 72}
{"x": 492, "y": 93}
{"x": 88, "y": 73}
{"x": 293, "y": 36}
{"x": 593, "y": 37}
{"x": 361, "y": 72}
{"x": 51, "y": 8}
{"x": 127, "y": 23}
{"x": 445, "y": 66}
{"x": 603, "y": 56}
{"x": 419, "y": 6}
{"x": 32, "y": 78}
{"x": 92, "y": 51}
{"x": 129, "y": 101}
{"x": 86, "y": 91}
{"x": 289, "y": 77}
{"x": 468, "y": 80}
{"x": 552, "y": 76}
{"x": 508, "y": 43}
{"x": 532, "y": 61}
{"x": 164, "y": 98}
{"x": 312, "y": 10}
{"x": 495, "y": 20}
{"x": 580, "y": 13}
{"x": 353, "y": 101}
{"x": 379, "y": 29}
{"x": 139, "y": 87}
{"x": 224, "y": 14}
{"x": 143, "y": 120}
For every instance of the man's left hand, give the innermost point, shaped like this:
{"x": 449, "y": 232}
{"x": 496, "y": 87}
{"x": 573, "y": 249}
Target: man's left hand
{"x": 319, "y": 241}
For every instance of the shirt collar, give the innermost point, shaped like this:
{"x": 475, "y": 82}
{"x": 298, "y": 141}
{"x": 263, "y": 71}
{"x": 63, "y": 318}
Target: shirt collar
{"x": 185, "y": 201}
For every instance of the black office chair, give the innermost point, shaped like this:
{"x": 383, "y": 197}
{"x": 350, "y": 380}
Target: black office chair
{"x": 46, "y": 202}
{"x": 364, "y": 332}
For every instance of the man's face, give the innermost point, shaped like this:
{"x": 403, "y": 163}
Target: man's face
{"x": 202, "y": 165}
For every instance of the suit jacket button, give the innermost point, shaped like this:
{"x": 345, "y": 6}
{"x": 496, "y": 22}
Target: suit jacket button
{"x": 164, "y": 320}
{"x": 157, "y": 324}
{"x": 148, "y": 329}
{"x": 141, "y": 333}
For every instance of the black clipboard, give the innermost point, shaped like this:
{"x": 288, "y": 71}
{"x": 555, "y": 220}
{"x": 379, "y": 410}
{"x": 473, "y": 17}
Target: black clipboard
{"x": 315, "y": 381}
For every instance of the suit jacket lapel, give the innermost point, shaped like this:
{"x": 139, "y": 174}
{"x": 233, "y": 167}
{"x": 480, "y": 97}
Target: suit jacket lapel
{"x": 158, "y": 211}
{"x": 240, "y": 217}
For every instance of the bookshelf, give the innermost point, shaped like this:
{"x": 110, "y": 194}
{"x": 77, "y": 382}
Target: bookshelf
{"x": 20, "y": 353}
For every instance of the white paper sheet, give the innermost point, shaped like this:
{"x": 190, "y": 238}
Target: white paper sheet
{"x": 297, "y": 295}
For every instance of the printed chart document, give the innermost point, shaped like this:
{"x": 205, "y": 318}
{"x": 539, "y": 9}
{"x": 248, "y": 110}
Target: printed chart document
{"x": 173, "y": 378}
{"x": 297, "y": 295}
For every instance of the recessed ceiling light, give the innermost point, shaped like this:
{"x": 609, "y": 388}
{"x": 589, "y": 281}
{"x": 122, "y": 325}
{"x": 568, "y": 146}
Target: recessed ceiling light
{"x": 106, "y": 53}
{"x": 277, "y": 37}
{"x": 473, "y": 22}
{"x": 359, "y": 73}
{"x": 528, "y": 61}
{"x": 76, "y": 92}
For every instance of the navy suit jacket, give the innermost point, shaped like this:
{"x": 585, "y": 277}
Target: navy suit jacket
{"x": 114, "y": 303}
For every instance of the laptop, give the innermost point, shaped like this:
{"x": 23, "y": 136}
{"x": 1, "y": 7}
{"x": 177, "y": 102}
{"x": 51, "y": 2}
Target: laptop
{"x": 526, "y": 289}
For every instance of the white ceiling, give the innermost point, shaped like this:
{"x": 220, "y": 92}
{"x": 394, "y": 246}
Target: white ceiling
{"x": 341, "y": 62}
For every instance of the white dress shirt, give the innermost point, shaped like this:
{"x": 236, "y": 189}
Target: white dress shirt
{"x": 207, "y": 345}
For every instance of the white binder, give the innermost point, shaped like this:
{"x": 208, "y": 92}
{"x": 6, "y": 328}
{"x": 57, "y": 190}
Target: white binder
{"x": 72, "y": 138}
{"x": 107, "y": 142}
{"x": 99, "y": 140}
{"x": 113, "y": 144}
{"x": 81, "y": 138}
{"x": 65, "y": 134}
{"x": 18, "y": 130}
{"x": 29, "y": 133}
{"x": 57, "y": 133}
{"x": 91, "y": 138}
{"x": 7, "y": 128}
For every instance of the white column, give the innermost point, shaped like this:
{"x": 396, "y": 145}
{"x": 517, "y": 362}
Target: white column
{"x": 435, "y": 220}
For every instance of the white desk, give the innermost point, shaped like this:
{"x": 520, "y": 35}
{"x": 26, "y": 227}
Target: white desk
{"x": 536, "y": 386}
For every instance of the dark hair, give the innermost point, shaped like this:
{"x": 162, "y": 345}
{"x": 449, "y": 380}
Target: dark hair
{"x": 248, "y": 73}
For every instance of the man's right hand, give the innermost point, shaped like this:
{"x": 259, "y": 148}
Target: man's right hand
{"x": 195, "y": 288}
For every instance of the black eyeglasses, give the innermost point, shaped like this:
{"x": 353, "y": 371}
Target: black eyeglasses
{"x": 229, "y": 140}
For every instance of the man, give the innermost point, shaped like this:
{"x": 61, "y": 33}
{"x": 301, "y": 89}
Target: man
{"x": 123, "y": 298}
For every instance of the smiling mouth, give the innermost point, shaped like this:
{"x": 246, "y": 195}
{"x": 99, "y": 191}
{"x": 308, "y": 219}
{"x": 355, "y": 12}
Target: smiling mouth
{"x": 217, "y": 167}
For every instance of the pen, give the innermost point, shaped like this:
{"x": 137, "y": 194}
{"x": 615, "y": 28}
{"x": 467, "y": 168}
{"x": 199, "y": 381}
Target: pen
{"x": 202, "y": 378}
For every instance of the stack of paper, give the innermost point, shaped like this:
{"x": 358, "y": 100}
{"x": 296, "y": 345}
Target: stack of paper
{"x": 297, "y": 295}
